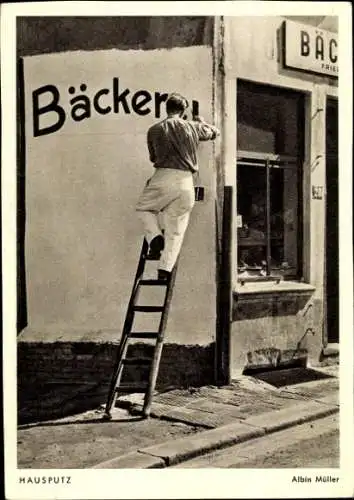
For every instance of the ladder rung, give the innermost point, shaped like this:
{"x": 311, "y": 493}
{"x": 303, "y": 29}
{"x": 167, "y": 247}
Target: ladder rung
{"x": 148, "y": 308}
{"x": 137, "y": 361}
{"x": 133, "y": 387}
{"x": 153, "y": 282}
{"x": 143, "y": 335}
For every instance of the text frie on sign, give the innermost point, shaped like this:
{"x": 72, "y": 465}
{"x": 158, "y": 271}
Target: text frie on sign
{"x": 80, "y": 107}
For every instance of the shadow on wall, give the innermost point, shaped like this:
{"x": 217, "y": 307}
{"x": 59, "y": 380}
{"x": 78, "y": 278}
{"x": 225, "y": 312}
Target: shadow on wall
{"x": 40, "y": 35}
{"x": 60, "y": 379}
{"x": 272, "y": 307}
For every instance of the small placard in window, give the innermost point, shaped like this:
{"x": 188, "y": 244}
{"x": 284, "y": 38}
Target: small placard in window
{"x": 317, "y": 192}
{"x": 239, "y": 220}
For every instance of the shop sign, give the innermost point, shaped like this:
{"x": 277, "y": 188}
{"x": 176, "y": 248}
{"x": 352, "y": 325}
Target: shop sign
{"x": 310, "y": 49}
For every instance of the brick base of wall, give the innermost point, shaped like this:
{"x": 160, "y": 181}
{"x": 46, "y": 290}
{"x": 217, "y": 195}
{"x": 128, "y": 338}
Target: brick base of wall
{"x": 60, "y": 378}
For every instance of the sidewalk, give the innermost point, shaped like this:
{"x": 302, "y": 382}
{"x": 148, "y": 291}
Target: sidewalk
{"x": 183, "y": 423}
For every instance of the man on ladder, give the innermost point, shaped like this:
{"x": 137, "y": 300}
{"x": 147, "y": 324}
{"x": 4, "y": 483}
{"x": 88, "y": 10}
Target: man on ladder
{"x": 172, "y": 144}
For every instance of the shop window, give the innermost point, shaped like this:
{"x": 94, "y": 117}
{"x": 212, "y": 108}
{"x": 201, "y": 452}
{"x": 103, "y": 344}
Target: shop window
{"x": 269, "y": 179}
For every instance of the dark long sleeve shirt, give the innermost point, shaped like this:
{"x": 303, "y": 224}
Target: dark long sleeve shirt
{"x": 173, "y": 142}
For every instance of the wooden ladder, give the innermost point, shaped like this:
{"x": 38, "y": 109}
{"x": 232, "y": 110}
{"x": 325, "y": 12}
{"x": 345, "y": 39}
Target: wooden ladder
{"x": 116, "y": 386}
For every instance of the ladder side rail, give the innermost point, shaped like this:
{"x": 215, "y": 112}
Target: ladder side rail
{"x": 115, "y": 381}
{"x": 130, "y": 312}
{"x": 129, "y": 318}
{"x": 159, "y": 344}
{"x": 140, "y": 270}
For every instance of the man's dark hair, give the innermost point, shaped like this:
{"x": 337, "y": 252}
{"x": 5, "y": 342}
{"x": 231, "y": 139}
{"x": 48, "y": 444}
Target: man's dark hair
{"x": 176, "y": 103}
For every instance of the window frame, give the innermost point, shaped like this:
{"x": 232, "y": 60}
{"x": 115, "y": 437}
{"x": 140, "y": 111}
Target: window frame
{"x": 268, "y": 161}
{"x": 261, "y": 159}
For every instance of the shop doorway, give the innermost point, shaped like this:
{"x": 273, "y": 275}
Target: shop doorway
{"x": 332, "y": 241}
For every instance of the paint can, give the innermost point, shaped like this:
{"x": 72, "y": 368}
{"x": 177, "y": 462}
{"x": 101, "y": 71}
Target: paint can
{"x": 199, "y": 193}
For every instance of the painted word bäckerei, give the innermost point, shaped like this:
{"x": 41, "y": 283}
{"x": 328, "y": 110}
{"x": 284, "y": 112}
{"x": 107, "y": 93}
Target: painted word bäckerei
{"x": 81, "y": 106}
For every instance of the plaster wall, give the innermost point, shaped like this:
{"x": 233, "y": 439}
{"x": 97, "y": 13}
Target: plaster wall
{"x": 82, "y": 182}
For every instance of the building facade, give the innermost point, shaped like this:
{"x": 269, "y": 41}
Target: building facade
{"x": 281, "y": 158}
{"x": 257, "y": 284}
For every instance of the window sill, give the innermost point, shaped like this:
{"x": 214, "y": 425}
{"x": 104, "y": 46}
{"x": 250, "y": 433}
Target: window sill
{"x": 256, "y": 289}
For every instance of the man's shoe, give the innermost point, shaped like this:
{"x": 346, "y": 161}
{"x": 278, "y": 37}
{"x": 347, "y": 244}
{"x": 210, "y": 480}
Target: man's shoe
{"x": 163, "y": 275}
{"x": 157, "y": 244}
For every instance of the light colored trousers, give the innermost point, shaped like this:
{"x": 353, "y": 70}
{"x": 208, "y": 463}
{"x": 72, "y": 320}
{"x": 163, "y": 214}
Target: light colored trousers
{"x": 166, "y": 203}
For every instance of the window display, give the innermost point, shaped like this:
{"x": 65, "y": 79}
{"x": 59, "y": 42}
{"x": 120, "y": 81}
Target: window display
{"x": 268, "y": 183}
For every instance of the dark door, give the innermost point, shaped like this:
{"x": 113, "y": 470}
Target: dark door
{"x": 332, "y": 242}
